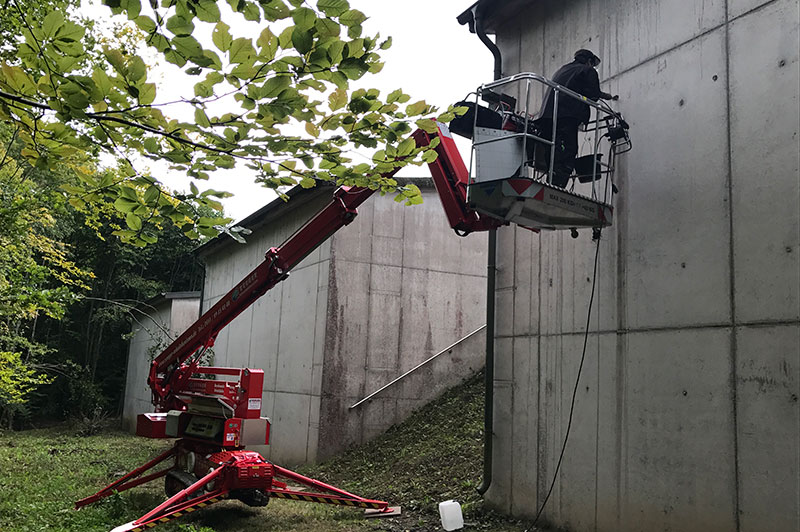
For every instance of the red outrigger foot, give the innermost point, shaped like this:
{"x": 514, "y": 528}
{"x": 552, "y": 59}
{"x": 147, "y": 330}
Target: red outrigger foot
{"x": 238, "y": 474}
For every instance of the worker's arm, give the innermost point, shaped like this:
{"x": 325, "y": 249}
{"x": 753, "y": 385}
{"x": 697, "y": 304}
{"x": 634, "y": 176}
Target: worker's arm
{"x": 592, "y": 87}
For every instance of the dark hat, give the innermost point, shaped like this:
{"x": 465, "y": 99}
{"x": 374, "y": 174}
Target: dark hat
{"x": 587, "y": 55}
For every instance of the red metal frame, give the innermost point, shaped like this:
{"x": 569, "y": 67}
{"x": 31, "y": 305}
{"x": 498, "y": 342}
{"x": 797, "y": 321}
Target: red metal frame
{"x": 451, "y": 177}
{"x": 224, "y": 468}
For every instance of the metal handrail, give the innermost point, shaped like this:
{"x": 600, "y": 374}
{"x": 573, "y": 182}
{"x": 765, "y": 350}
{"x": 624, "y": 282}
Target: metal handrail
{"x": 601, "y": 110}
{"x": 415, "y": 368}
{"x": 549, "y": 83}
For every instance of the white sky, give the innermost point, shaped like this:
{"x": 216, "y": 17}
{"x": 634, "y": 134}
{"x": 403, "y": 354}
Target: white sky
{"x": 432, "y": 58}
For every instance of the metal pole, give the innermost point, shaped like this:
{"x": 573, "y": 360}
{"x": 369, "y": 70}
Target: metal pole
{"x": 553, "y": 138}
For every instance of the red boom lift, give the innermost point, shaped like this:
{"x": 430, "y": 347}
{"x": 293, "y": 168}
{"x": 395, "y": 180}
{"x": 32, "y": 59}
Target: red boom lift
{"x": 215, "y": 419}
{"x": 214, "y": 412}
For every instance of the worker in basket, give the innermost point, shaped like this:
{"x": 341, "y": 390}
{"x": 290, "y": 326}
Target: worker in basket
{"x": 579, "y": 76}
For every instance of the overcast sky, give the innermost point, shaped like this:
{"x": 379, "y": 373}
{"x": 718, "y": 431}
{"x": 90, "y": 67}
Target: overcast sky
{"x": 432, "y": 58}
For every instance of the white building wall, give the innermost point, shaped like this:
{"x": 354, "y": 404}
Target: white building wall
{"x": 151, "y": 330}
{"x": 687, "y": 415}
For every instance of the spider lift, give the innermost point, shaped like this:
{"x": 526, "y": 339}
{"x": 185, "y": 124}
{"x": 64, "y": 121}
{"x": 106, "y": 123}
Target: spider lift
{"x": 215, "y": 412}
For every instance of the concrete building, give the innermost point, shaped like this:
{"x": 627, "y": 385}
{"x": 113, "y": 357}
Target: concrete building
{"x": 380, "y": 296}
{"x": 154, "y": 322}
{"x": 687, "y": 415}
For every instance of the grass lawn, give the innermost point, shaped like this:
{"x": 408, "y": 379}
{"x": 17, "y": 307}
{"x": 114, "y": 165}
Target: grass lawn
{"x": 434, "y": 456}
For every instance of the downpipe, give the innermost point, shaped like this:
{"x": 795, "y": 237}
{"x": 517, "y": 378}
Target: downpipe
{"x": 491, "y": 271}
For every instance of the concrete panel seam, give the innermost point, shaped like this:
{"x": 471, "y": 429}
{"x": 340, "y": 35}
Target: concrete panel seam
{"x": 690, "y": 40}
{"x": 757, "y": 324}
{"x": 732, "y": 276}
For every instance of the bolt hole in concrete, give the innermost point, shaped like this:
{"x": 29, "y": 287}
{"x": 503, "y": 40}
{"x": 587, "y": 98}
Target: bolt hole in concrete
{"x": 782, "y": 63}
{"x": 685, "y": 393}
{"x": 788, "y": 249}
{"x": 715, "y": 77}
{"x": 683, "y": 265}
{"x": 681, "y": 102}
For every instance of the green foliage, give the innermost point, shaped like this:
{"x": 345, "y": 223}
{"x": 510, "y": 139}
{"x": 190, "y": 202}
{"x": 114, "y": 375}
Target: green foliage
{"x": 17, "y": 381}
{"x": 71, "y": 92}
{"x": 67, "y": 288}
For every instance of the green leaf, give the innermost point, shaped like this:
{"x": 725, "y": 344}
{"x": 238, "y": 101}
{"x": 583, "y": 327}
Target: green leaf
{"x": 302, "y": 40}
{"x": 52, "y": 23}
{"x": 131, "y": 7}
{"x": 18, "y": 80}
{"x": 187, "y": 46}
{"x": 241, "y": 51}
{"x": 174, "y": 57}
{"x": 133, "y": 221}
{"x": 337, "y": 99}
{"x": 70, "y": 32}
{"x": 151, "y": 194}
{"x": 304, "y": 18}
{"x": 251, "y": 12}
{"x": 147, "y": 93}
{"x": 193, "y": 188}
{"x": 353, "y": 68}
{"x": 201, "y": 118}
{"x": 327, "y": 27}
{"x": 179, "y": 25}
{"x": 394, "y": 96}
{"x": 416, "y": 108}
{"x": 136, "y": 69}
{"x": 146, "y": 24}
{"x": 429, "y": 156}
{"x": 352, "y": 17}
{"x": 203, "y": 89}
{"x": 406, "y": 147}
{"x": 125, "y": 205}
{"x": 207, "y": 11}
{"x": 427, "y": 125}
{"x": 275, "y": 85}
{"x": 222, "y": 36}
{"x": 333, "y": 8}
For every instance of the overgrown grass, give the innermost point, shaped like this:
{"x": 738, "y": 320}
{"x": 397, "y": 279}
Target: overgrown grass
{"x": 434, "y": 456}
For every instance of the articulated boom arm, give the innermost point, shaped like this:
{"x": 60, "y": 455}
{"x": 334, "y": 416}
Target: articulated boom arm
{"x": 170, "y": 374}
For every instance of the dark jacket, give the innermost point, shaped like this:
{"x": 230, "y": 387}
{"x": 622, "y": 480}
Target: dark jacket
{"x": 579, "y": 77}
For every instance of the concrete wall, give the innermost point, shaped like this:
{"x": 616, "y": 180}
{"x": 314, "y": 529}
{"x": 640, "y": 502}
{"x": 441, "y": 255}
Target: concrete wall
{"x": 687, "y": 415}
{"x": 162, "y": 314}
{"x": 383, "y": 294}
{"x": 403, "y": 287}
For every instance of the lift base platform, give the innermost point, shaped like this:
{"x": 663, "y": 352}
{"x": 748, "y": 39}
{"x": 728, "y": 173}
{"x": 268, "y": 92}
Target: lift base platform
{"x": 537, "y": 205}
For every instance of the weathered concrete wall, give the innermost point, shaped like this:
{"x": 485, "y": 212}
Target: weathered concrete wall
{"x": 383, "y": 294}
{"x": 173, "y": 314}
{"x": 687, "y": 416}
{"x": 403, "y": 287}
